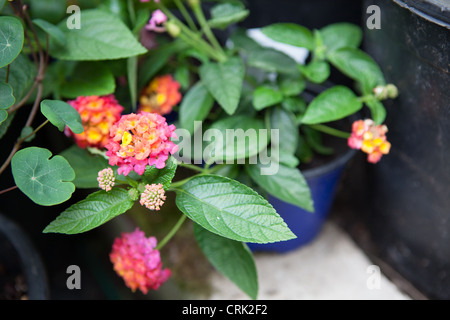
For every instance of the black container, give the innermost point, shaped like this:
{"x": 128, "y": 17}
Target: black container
{"x": 22, "y": 259}
{"x": 409, "y": 217}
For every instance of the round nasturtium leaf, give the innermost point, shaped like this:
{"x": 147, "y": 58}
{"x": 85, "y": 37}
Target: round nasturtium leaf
{"x": 45, "y": 181}
{"x": 11, "y": 39}
{"x": 6, "y": 96}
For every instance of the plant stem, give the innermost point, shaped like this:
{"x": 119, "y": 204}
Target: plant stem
{"x": 330, "y": 131}
{"x": 172, "y": 232}
{"x": 205, "y": 27}
{"x": 190, "y": 166}
{"x": 7, "y": 190}
{"x": 178, "y": 184}
{"x": 192, "y": 38}
{"x": 186, "y": 15}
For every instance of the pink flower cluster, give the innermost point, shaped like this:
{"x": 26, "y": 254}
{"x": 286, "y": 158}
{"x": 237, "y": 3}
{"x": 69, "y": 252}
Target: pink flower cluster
{"x": 369, "y": 138}
{"x": 138, "y": 140}
{"x": 153, "y": 197}
{"x": 106, "y": 179}
{"x": 156, "y": 22}
{"x": 136, "y": 260}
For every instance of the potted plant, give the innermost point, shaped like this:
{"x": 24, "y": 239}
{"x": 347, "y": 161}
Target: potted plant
{"x": 243, "y": 125}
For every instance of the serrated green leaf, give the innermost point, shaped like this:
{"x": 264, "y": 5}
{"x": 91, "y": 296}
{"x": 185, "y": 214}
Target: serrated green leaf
{"x": 163, "y": 176}
{"x": 284, "y": 121}
{"x": 316, "y": 71}
{"x": 224, "y": 81}
{"x": 230, "y": 209}
{"x": 6, "y": 96}
{"x": 52, "y": 30}
{"x": 290, "y": 33}
{"x": 61, "y": 114}
{"x": 102, "y": 36}
{"x": 45, "y": 181}
{"x": 97, "y": 209}
{"x": 333, "y": 104}
{"x": 359, "y": 66}
{"x": 272, "y": 61}
{"x": 196, "y": 105}
{"x": 288, "y": 184}
{"x": 11, "y": 39}
{"x": 265, "y": 96}
{"x": 85, "y": 165}
{"x": 224, "y": 14}
{"x": 88, "y": 79}
{"x": 231, "y": 258}
{"x": 340, "y": 35}
{"x": 241, "y": 138}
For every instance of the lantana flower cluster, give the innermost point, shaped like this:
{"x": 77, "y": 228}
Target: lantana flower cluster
{"x": 153, "y": 196}
{"x": 369, "y": 138}
{"x": 138, "y": 140}
{"x": 98, "y": 114}
{"x": 106, "y": 179}
{"x": 136, "y": 259}
{"x": 160, "y": 96}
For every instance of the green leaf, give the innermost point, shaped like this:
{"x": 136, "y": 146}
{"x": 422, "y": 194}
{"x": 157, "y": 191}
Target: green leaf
{"x": 359, "y": 66}
{"x": 239, "y": 137}
{"x": 97, "y": 209}
{"x": 102, "y": 36}
{"x": 266, "y": 96}
{"x": 377, "y": 110}
{"x": 52, "y": 30}
{"x": 45, "y": 181}
{"x": 316, "y": 71}
{"x": 11, "y": 39}
{"x": 231, "y": 258}
{"x": 224, "y": 81}
{"x": 85, "y": 175}
{"x": 290, "y": 33}
{"x": 288, "y": 185}
{"x": 22, "y": 73}
{"x": 62, "y": 114}
{"x": 230, "y": 209}
{"x": 333, "y": 104}
{"x": 285, "y": 122}
{"x": 196, "y": 105}
{"x": 291, "y": 86}
{"x": 88, "y": 79}
{"x": 222, "y": 15}
{"x": 3, "y": 116}
{"x": 163, "y": 176}
{"x": 340, "y": 35}
{"x": 6, "y": 96}
{"x": 272, "y": 61}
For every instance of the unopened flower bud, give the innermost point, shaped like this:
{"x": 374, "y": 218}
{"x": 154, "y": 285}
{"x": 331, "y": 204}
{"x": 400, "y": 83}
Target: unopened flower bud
{"x": 133, "y": 194}
{"x": 392, "y": 91}
{"x": 173, "y": 29}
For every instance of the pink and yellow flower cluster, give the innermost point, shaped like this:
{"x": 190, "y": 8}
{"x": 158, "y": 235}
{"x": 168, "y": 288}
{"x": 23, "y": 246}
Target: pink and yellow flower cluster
{"x": 98, "y": 114}
{"x": 138, "y": 140}
{"x": 136, "y": 259}
{"x": 160, "y": 96}
{"x": 369, "y": 138}
{"x": 153, "y": 196}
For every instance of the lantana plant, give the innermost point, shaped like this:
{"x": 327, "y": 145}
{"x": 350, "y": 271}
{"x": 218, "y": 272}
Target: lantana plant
{"x": 131, "y": 80}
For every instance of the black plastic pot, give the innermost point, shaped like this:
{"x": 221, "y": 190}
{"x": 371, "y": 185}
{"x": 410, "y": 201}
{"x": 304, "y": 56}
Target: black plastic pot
{"x": 409, "y": 218}
{"x": 18, "y": 248}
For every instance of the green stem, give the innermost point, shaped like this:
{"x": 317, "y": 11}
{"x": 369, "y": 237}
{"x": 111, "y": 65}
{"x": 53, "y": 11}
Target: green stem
{"x": 190, "y": 166}
{"x": 193, "y": 38}
{"x": 178, "y": 184}
{"x": 330, "y": 131}
{"x": 35, "y": 130}
{"x": 172, "y": 232}
{"x": 131, "y": 12}
{"x": 186, "y": 15}
{"x": 205, "y": 27}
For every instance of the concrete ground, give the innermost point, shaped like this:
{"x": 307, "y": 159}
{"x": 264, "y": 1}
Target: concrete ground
{"x": 333, "y": 267}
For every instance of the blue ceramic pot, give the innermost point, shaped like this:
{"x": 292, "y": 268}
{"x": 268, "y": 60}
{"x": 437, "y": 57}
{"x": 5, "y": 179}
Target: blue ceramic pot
{"x": 323, "y": 182}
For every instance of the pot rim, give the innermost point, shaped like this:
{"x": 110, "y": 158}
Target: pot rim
{"x": 328, "y": 167}
{"x": 31, "y": 262}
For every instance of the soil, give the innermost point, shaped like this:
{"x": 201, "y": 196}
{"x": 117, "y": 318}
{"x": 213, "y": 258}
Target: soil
{"x": 13, "y": 284}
